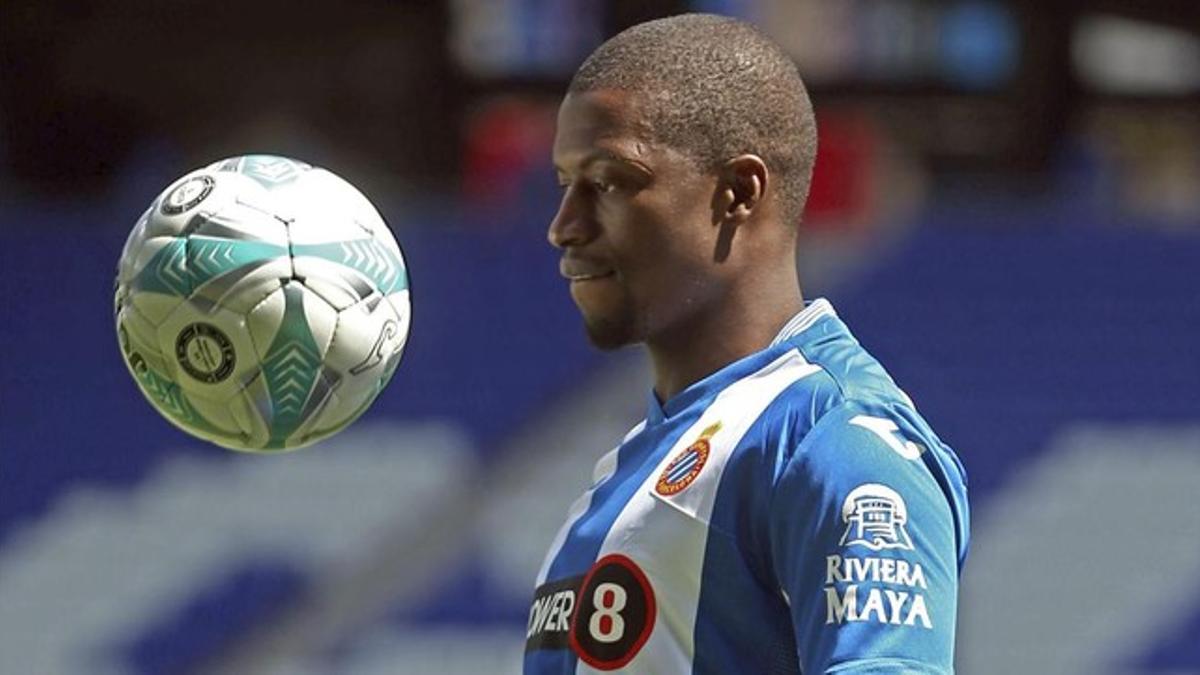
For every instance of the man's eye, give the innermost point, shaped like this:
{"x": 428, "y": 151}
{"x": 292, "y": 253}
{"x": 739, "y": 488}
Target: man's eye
{"x": 598, "y": 186}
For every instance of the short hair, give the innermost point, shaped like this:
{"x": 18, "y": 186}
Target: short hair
{"x": 715, "y": 87}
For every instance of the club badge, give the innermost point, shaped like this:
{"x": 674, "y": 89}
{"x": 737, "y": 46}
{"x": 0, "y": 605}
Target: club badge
{"x": 687, "y": 465}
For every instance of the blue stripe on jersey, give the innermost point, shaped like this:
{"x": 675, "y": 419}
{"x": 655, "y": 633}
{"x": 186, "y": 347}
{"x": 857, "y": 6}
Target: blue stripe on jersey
{"x": 550, "y": 661}
{"x": 733, "y": 584}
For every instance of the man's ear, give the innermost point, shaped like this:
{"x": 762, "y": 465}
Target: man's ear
{"x": 743, "y": 184}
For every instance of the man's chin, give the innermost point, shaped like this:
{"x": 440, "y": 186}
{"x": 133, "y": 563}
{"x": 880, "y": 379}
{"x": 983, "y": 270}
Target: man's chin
{"x": 609, "y": 335}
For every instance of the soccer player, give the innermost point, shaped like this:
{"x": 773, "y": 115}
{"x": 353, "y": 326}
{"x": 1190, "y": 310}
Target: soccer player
{"x": 783, "y": 508}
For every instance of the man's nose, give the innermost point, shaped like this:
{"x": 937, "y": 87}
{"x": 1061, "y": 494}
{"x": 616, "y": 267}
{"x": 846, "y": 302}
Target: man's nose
{"x": 573, "y": 225}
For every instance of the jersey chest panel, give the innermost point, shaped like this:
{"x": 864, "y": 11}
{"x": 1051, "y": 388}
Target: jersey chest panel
{"x": 623, "y": 588}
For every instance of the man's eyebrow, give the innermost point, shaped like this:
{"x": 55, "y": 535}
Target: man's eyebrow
{"x": 602, "y": 155}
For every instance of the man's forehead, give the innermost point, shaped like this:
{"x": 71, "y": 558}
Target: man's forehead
{"x": 605, "y": 121}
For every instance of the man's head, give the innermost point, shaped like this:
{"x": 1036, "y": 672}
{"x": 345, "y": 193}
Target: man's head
{"x": 674, "y": 135}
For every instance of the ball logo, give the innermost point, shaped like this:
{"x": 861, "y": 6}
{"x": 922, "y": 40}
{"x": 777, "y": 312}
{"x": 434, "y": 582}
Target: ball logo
{"x": 385, "y": 345}
{"x": 875, "y": 517}
{"x": 687, "y": 465}
{"x": 187, "y": 195}
{"x": 205, "y": 353}
{"x": 614, "y": 613}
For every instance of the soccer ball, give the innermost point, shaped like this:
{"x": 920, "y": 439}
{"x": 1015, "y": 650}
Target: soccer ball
{"x": 261, "y": 303}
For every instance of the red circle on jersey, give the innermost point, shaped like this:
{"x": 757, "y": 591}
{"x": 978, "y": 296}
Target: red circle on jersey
{"x": 683, "y": 469}
{"x": 614, "y": 613}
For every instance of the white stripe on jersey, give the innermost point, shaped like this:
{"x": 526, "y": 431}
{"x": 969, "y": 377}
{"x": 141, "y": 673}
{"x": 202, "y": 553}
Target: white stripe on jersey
{"x": 605, "y": 468}
{"x": 645, "y": 522}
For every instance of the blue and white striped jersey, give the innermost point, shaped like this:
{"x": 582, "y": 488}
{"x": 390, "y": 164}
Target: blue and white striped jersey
{"x": 790, "y": 513}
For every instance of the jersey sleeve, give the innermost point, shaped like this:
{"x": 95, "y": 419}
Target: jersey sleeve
{"x": 863, "y": 546}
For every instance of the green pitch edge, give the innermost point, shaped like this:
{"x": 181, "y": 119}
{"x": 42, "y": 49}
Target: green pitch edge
{"x": 367, "y": 256}
{"x": 188, "y": 263}
{"x": 290, "y": 368}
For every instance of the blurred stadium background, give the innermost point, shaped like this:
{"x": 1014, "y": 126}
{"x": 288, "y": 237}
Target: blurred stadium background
{"x": 1006, "y": 210}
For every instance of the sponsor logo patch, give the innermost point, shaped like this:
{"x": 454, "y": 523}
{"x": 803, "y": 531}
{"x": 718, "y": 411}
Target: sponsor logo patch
{"x": 875, "y": 517}
{"x": 615, "y": 613}
{"x": 687, "y": 465}
{"x": 879, "y": 590}
{"x": 604, "y": 616}
{"x": 886, "y": 590}
{"x": 550, "y": 614}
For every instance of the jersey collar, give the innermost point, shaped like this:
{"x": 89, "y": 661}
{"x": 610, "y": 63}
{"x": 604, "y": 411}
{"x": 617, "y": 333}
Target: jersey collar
{"x": 712, "y": 385}
{"x": 804, "y": 320}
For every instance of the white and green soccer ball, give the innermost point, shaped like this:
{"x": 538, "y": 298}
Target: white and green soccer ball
{"x": 262, "y": 303}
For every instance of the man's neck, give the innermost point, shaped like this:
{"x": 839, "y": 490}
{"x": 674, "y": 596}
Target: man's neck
{"x": 743, "y": 323}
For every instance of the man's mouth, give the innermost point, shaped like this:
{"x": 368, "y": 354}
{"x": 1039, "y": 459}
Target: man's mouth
{"x": 577, "y": 269}
{"x": 589, "y": 277}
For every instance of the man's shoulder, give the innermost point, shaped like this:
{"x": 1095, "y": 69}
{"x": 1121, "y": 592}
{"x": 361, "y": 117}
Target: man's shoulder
{"x": 846, "y": 404}
{"x": 850, "y": 409}
{"x": 821, "y": 413}
{"x": 847, "y": 382}
{"x": 801, "y": 405}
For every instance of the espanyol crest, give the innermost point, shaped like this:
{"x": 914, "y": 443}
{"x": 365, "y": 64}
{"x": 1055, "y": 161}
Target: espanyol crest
{"x": 687, "y": 465}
